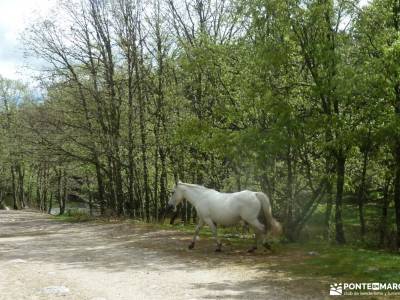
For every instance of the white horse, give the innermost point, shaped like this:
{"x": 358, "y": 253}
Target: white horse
{"x": 227, "y": 209}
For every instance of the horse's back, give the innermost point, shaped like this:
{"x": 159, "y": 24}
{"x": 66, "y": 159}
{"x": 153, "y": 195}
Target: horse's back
{"x": 229, "y": 208}
{"x": 234, "y": 199}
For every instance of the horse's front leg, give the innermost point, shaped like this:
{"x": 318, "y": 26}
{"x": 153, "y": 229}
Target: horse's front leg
{"x": 196, "y": 233}
{"x": 213, "y": 228}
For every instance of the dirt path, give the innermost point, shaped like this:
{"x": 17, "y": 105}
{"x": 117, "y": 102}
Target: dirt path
{"x": 42, "y": 258}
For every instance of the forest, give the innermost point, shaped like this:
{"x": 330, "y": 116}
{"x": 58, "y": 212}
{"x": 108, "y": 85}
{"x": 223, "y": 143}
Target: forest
{"x": 299, "y": 99}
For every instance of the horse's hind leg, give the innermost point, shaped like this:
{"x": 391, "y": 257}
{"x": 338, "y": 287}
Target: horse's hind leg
{"x": 259, "y": 233}
{"x": 259, "y": 237}
{"x": 213, "y": 228}
{"x": 256, "y": 241}
{"x": 196, "y": 233}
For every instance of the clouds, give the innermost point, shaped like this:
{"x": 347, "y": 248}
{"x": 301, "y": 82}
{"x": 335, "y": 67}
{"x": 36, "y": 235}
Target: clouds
{"x": 15, "y": 16}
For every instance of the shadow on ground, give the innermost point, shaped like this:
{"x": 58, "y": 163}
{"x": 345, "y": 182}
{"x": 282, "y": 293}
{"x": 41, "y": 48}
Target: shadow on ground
{"x": 120, "y": 247}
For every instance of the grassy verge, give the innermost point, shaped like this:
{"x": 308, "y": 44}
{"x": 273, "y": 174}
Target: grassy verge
{"x": 315, "y": 227}
{"x": 342, "y": 263}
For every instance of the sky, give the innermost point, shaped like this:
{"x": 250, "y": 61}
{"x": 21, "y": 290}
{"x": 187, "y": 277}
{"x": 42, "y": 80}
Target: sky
{"x": 15, "y": 16}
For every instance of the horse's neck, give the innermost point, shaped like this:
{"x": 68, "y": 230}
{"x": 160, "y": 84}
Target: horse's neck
{"x": 194, "y": 194}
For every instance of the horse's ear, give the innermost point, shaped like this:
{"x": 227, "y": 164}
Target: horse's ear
{"x": 177, "y": 181}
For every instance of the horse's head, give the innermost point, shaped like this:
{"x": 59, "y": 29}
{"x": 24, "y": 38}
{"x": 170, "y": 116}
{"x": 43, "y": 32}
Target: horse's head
{"x": 176, "y": 197}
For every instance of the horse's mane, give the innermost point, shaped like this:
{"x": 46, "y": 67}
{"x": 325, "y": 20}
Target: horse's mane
{"x": 194, "y": 185}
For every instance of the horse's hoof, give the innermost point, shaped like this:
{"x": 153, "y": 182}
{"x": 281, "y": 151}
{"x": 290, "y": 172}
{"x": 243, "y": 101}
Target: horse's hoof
{"x": 191, "y": 246}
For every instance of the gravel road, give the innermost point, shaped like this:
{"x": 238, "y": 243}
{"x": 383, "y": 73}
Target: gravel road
{"x": 41, "y": 258}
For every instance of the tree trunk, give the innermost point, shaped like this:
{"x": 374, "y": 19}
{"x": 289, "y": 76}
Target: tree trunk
{"x": 289, "y": 192}
{"x": 144, "y": 161}
{"x": 141, "y": 96}
{"x": 340, "y": 172}
{"x": 59, "y": 191}
{"x": 361, "y": 195}
{"x": 384, "y": 215}
{"x": 100, "y": 187}
{"x": 330, "y": 171}
{"x": 328, "y": 212}
{"x": 38, "y": 188}
{"x": 156, "y": 175}
{"x": 90, "y": 196}
{"x": 64, "y": 193}
{"x": 21, "y": 190}
{"x": 397, "y": 193}
{"x": 163, "y": 181}
{"x": 14, "y": 187}
{"x": 50, "y": 204}
{"x": 45, "y": 189}
{"x": 396, "y": 23}
{"x": 289, "y": 228}
{"x": 2, "y": 205}
{"x": 119, "y": 186}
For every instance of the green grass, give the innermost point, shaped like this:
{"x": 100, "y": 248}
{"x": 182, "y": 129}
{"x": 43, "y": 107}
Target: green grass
{"x": 314, "y": 230}
{"x": 357, "y": 261}
{"x": 343, "y": 263}
{"x": 74, "y": 217}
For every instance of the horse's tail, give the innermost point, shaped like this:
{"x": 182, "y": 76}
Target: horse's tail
{"x": 273, "y": 225}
